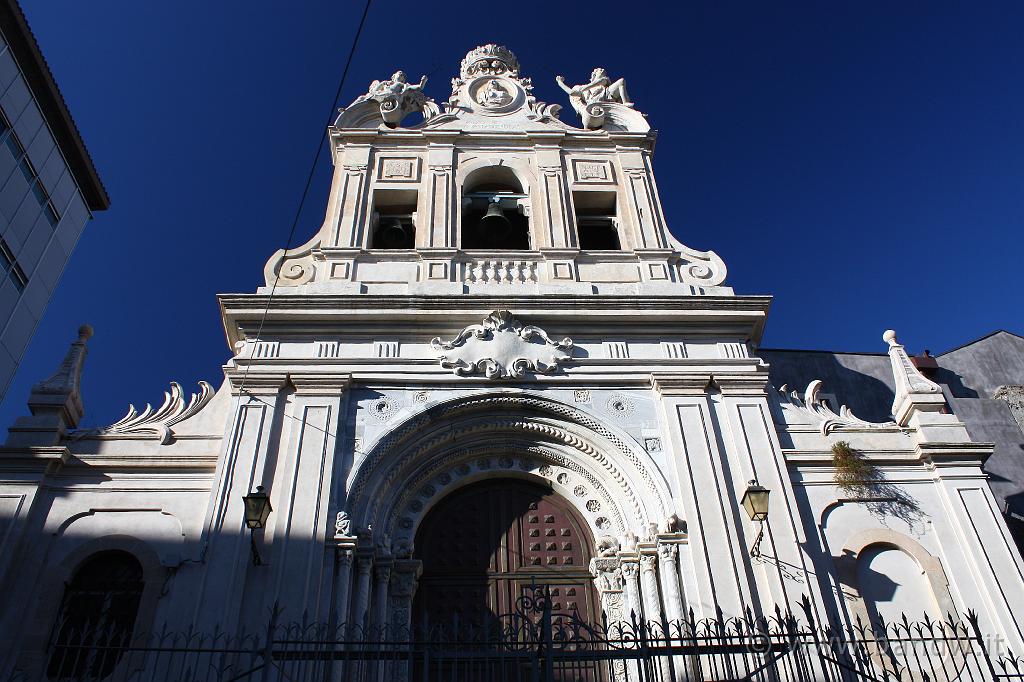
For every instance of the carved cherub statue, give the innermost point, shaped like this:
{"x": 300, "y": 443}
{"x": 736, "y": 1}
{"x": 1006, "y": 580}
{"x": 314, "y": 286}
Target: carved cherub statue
{"x": 397, "y": 97}
{"x": 397, "y": 87}
{"x": 599, "y": 89}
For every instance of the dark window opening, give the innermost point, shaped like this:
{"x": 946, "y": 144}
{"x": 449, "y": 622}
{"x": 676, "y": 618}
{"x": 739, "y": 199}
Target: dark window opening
{"x": 96, "y": 618}
{"x": 17, "y": 150}
{"x": 493, "y": 212}
{"x": 597, "y": 222}
{"x": 394, "y": 219}
{"x": 10, "y": 266}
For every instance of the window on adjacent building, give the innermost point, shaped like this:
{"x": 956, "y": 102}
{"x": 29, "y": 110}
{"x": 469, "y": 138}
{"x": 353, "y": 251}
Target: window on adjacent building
{"x": 493, "y": 211}
{"x": 42, "y": 197}
{"x": 96, "y": 617}
{"x": 394, "y": 219}
{"x": 597, "y": 222}
{"x": 10, "y": 266}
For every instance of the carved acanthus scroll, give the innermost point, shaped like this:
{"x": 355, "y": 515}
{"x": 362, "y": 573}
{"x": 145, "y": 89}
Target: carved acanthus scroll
{"x": 158, "y": 422}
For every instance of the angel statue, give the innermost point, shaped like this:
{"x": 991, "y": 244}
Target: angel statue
{"x": 599, "y": 89}
{"x": 589, "y": 99}
{"x": 396, "y": 98}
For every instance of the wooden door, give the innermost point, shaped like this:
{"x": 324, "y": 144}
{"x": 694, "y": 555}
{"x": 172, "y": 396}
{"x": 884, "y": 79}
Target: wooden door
{"x": 485, "y": 544}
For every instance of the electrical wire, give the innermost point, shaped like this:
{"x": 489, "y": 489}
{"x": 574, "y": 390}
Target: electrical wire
{"x": 305, "y": 191}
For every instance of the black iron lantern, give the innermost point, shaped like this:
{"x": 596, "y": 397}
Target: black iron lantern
{"x": 755, "y": 501}
{"x": 257, "y": 508}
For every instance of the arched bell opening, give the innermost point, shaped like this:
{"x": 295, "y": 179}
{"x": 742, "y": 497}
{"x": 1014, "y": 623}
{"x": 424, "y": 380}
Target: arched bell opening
{"x": 494, "y": 211}
{"x": 486, "y": 545}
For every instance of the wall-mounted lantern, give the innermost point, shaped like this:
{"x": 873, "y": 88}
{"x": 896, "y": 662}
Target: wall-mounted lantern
{"x": 755, "y": 501}
{"x": 257, "y": 511}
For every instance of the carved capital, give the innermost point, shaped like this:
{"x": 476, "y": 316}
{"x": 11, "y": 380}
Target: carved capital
{"x": 668, "y": 552}
{"x": 648, "y": 562}
{"x": 345, "y": 558}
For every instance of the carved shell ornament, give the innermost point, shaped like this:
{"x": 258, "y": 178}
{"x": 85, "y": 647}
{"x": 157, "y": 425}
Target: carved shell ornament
{"x": 502, "y": 347}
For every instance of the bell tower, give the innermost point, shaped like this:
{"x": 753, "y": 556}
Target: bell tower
{"x": 492, "y": 193}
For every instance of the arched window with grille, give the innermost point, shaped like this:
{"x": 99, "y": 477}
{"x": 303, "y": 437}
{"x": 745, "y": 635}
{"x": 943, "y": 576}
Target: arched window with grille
{"x": 96, "y": 617}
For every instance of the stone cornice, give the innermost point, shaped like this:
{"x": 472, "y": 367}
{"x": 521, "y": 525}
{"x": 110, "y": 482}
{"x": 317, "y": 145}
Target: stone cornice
{"x": 936, "y": 455}
{"x": 749, "y": 383}
{"x": 736, "y": 316}
{"x": 38, "y": 459}
{"x": 259, "y": 382}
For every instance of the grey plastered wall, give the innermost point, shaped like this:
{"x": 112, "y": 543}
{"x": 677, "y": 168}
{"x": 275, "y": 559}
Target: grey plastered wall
{"x": 969, "y": 376}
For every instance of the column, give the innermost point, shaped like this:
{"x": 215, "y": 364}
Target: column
{"x": 608, "y": 577}
{"x": 382, "y": 578}
{"x": 361, "y": 599}
{"x": 630, "y": 575}
{"x": 404, "y": 581}
{"x": 668, "y": 554}
{"x": 344, "y": 556}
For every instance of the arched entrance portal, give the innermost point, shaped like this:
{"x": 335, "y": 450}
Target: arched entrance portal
{"x": 486, "y": 543}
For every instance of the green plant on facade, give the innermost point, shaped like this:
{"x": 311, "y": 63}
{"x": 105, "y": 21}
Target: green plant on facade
{"x": 853, "y": 474}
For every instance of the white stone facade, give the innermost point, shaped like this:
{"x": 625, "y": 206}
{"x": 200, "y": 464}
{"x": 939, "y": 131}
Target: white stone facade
{"x": 375, "y": 382}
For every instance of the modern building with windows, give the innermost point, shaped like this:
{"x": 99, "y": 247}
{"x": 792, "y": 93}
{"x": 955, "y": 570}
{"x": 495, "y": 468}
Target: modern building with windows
{"x": 492, "y": 421}
{"x": 48, "y": 187}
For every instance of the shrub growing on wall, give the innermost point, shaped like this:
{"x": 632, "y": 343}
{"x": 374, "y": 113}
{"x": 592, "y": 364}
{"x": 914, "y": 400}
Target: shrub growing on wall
{"x": 853, "y": 473}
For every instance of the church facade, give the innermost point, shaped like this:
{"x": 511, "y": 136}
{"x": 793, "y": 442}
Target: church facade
{"x": 494, "y": 367}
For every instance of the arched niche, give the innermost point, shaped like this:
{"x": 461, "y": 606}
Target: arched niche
{"x": 889, "y": 575}
{"x": 494, "y": 208}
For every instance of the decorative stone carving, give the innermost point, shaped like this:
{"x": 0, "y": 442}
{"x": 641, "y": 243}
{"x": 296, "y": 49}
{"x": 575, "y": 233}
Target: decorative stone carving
{"x": 157, "y": 423}
{"x": 652, "y": 444}
{"x": 607, "y": 546}
{"x": 1014, "y": 397}
{"x": 494, "y": 94}
{"x": 820, "y": 410}
{"x": 673, "y": 524}
{"x": 502, "y": 347}
{"x": 590, "y": 100}
{"x": 620, "y": 407}
{"x": 607, "y": 573}
{"x": 343, "y": 524}
{"x": 668, "y": 552}
{"x": 392, "y": 99}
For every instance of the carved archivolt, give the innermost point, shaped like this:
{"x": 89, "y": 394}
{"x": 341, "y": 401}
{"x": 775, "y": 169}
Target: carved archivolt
{"x": 461, "y": 465}
{"x": 436, "y": 434}
{"x": 364, "y": 468}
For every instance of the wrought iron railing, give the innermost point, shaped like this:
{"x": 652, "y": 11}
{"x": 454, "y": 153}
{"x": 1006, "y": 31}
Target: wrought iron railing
{"x": 535, "y": 644}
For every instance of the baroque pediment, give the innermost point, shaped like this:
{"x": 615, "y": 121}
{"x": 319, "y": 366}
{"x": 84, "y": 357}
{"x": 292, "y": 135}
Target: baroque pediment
{"x": 502, "y": 347}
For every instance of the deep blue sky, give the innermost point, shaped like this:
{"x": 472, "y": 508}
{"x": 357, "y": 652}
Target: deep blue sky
{"x": 862, "y": 162}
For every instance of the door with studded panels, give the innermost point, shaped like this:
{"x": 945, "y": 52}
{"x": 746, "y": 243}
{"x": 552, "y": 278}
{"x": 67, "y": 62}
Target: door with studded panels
{"x": 485, "y": 544}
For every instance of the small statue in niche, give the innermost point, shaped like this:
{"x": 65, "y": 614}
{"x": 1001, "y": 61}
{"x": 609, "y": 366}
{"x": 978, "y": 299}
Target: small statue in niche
{"x": 587, "y": 99}
{"x": 494, "y": 95}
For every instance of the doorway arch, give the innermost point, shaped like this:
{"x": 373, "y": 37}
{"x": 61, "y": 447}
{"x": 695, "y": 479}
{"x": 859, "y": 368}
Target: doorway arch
{"x": 485, "y": 544}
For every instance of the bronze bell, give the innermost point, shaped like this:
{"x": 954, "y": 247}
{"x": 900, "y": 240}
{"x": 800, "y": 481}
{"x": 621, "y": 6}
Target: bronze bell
{"x": 392, "y": 234}
{"x": 494, "y": 226}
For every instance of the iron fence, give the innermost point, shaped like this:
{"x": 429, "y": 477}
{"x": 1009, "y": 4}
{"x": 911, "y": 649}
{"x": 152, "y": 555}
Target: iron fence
{"x": 534, "y": 644}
